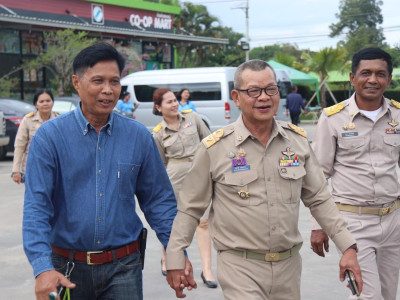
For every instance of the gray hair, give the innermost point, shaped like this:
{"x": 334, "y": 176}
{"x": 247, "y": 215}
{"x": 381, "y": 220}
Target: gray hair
{"x": 253, "y": 65}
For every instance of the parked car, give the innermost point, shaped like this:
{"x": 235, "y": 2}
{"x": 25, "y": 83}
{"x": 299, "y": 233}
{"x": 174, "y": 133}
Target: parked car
{"x": 14, "y": 111}
{"x": 4, "y": 139}
{"x": 65, "y": 104}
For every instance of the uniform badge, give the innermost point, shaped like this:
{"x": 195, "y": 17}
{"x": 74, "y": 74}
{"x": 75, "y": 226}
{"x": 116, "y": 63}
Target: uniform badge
{"x": 289, "y": 159}
{"x": 352, "y": 126}
{"x": 345, "y": 126}
{"x": 231, "y": 154}
{"x": 239, "y": 161}
{"x": 393, "y": 123}
{"x": 392, "y": 131}
{"x": 243, "y": 194}
{"x": 188, "y": 125}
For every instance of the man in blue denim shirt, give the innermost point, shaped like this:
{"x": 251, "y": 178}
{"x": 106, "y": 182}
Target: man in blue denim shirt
{"x": 84, "y": 171}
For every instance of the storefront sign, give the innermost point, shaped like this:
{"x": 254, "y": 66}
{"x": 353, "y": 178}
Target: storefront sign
{"x": 97, "y": 14}
{"x": 160, "y": 21}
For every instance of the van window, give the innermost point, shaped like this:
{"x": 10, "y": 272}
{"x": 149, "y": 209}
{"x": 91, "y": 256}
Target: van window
{"x": 198, "y": 91}
{"x": 231, "y": 86}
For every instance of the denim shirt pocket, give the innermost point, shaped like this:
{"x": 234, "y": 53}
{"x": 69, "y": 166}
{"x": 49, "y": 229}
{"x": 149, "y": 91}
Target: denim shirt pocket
{"x": 127, "y": 176}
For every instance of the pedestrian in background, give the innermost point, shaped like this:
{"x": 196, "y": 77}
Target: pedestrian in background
{"x": 294, "y": 105}
{"x": 126, "y": 106}
{"x": 183, "y": 97}
{"x": 83, "y": 173}
{"x": 177, "y": 137}
{"x": 43, "y": 100}
{"x": 255, "y": 171}
{"x": 358, "y": 146}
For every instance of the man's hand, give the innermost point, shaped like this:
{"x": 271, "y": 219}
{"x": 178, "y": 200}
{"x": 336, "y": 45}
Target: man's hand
{"x": 349, "y": 262}
{"x": 319, "y": 241}
{"x": 179, "y": 279}
{"x": 48, "y": 282}
{"x": 17, "y": 177}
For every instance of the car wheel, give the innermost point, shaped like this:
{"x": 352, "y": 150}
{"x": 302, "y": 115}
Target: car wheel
{"x": 3, "y": 153}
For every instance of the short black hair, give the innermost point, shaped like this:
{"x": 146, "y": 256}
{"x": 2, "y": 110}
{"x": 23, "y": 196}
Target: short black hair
{"x": 370, "y": 54}
{"x": 41, "y": 92}
{"x": 253, "y": 65}
{"x": 91, "y": 55}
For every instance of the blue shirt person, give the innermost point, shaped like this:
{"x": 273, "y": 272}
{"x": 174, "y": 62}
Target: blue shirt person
{"x": 84, "y": 171}
{"x": 183, "y": 98}
{"x": 126, "y": 106}
{"x": 294, "y": 103}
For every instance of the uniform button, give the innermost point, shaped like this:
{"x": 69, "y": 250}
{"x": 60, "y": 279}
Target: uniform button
{"x": 99, "y": 148}
{"x": 101, "y": 195}
{"x": 98, "y": 242}
{"x": 99, "y": 171}
{"x": 133, "y": 168}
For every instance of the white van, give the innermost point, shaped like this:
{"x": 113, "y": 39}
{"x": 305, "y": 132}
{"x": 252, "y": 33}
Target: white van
{"x": 210, "y": 90}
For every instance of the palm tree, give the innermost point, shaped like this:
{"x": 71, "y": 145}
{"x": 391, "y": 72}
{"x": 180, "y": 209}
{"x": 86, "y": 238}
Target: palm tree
{"x": 324, "y": 61}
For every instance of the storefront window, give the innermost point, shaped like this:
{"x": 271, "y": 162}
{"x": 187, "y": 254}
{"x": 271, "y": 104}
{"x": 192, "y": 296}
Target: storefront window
{"x": 9, "y": 41}
{"x": 32, "y": 43}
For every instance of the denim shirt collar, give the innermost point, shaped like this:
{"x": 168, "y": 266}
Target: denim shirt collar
{"x": 85, "y": 125}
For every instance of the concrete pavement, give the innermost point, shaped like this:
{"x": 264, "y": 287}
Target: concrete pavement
{"x": 320, "y": 277}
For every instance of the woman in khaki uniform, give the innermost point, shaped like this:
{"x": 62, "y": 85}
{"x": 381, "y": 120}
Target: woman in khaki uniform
{"x": 43, "y": 101}
{"x": 177, "y": 138}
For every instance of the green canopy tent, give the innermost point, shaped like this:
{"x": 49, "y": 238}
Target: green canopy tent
{"x": 296, "y": 76}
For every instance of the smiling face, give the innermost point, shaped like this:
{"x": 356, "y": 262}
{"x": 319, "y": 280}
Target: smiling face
{"x": 370, "y": 81}
{"x": 44, "y": 104}
{"x": 185, "y": 95}
{"x": 99, "y": 88}
{"x": 169, "y": 105}
{"x": 260, "y": 110}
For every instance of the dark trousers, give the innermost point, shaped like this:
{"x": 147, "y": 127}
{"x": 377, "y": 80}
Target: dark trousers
{"x": 120, "y": 279}
{"x": 294, "y": 116}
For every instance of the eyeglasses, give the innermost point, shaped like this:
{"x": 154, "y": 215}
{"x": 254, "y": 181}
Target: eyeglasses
{"x": 270, "y": 90}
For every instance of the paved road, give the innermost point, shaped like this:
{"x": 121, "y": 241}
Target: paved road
{"x": 320, "y": 279}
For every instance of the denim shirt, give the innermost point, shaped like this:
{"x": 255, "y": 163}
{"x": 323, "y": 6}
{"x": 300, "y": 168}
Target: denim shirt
{"x": 81, "y": 187}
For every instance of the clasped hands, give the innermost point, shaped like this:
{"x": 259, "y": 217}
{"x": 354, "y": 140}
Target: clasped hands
{"x": 179, "y": 279}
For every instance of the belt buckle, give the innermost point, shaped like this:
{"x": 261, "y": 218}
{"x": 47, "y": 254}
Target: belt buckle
{"x": 272, "y": 256}
{"x": 385, "y": 211}
{"x": 88, "y": 256}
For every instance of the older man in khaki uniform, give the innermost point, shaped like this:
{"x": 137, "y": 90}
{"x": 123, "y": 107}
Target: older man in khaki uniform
{"x": 357, "y": 143}
{"x": 255, "y": 171}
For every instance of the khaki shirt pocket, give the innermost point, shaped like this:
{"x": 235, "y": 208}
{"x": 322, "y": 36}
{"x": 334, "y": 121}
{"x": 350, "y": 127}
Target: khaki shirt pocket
{"x": 291, "y": 183}
{"x": 190, "y": 139}
{"x": 243, "y": 181}
{"x": 173, "y": 146}
{"x": 392, "y": 146}
{"x": 350, "y": 150}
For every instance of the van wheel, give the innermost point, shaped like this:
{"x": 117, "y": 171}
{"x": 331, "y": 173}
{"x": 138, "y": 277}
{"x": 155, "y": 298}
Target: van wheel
{"x": 3, "y": 153}
{"x": 208, "y": 126}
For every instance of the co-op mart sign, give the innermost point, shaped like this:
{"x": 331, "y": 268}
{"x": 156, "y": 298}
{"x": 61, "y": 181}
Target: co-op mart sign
{"x": 160, "y": 21}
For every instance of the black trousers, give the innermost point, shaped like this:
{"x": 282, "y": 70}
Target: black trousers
{"x": 294, "y": 116}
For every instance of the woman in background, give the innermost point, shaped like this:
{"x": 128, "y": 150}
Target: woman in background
{"x": 177, "y": 138}
{"x": 183, "y": 97}
{"x": 43, "y": 101}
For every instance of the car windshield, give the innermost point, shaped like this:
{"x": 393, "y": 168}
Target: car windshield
{"x": 62, "y": 106}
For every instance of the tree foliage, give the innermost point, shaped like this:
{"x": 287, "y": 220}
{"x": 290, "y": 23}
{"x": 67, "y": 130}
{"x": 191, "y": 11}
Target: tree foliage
{"x": 328, "y": 59}
{"x": 359, "y": 19}
{"x": 62, "y": 47}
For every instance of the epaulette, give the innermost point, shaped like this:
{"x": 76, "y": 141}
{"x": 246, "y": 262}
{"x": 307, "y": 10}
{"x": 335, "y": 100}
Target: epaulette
{"x": 395, "y": 103}
{"x": 217, "y": 135}
{"x": 157, "y": 128}
{"x": 297, "y": 129}
{"x": 335, "y": 108}
{"x": 186, "y": 111}
{"x": 31, "y": 114}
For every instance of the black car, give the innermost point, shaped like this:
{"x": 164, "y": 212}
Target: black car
{"x": 14, "y": 111}
{"x": 65, "y": 104}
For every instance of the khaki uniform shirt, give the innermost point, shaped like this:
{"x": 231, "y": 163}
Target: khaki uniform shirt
{"x": 358, "y": 154}
{"x": 182, "y": 143}
{"x": 28, "y": 127}
{"x": 255, "y": 201}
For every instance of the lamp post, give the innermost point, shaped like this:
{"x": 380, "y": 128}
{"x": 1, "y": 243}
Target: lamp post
{"x": 245, "y": 45}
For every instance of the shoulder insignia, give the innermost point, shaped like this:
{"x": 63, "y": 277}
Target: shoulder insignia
{"x": 395, "y": 103}
{"x": 186, "y": 111}
{"x": 297, "y": 129}
{"x": 31, "y": 114}
{"x": 56, "y": 114}
{"x": 213, "y": 138}
{"x": 334, "y": 109}
{"x": 157, "y": 128}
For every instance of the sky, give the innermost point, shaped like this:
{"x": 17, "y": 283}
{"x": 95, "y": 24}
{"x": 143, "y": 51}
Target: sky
{"x": 301, "y": 22}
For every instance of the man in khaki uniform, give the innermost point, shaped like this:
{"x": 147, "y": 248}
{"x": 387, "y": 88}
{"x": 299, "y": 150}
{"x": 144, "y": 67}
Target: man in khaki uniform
{"x": 255, "y": 171}
{"x": 357, "y": 143}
